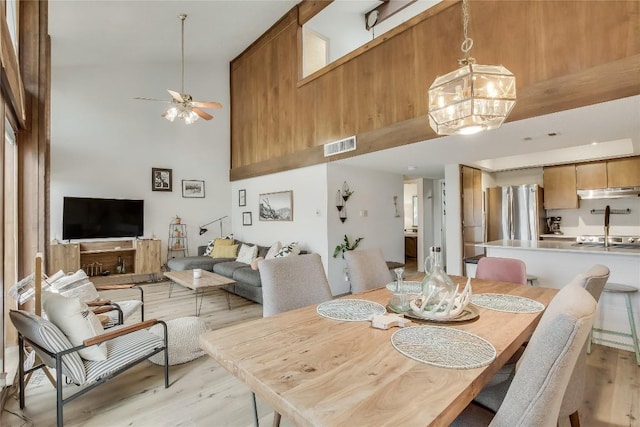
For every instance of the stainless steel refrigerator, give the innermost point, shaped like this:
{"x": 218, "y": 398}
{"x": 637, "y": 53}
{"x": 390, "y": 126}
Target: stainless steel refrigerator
{"x": 514, "y": 213}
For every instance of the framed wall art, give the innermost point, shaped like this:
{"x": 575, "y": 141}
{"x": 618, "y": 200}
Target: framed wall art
{"x": 192, "y": 188}
{"x": 276, "y": 206}
{"x": 246, "y": 218}
{"x": 161, "y": 179}
{"x": 242, "y": 197}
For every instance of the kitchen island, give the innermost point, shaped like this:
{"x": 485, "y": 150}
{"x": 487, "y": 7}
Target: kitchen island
{"x": 555, "y": 263}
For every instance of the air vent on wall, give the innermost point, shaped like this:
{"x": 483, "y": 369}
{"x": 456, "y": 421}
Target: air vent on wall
{"x": 341, "y": 146}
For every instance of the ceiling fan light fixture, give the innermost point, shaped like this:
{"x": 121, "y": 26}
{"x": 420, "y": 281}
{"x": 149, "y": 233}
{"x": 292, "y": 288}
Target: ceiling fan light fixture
{"x": 171, "y": 114}
{"x": 473, "y": 98}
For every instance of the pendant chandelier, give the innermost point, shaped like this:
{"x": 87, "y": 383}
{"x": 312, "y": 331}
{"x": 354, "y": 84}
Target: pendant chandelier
{"x": 472, "y": 98}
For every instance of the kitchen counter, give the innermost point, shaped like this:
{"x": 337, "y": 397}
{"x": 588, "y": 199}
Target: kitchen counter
{"x": 556, "y": 263}
{"x": 550, "y": 245}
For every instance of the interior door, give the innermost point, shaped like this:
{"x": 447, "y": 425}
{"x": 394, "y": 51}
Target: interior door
{"x": 471, "y": 202}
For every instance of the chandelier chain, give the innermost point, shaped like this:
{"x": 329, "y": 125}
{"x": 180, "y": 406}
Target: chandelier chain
{"x": 467, "y": 43}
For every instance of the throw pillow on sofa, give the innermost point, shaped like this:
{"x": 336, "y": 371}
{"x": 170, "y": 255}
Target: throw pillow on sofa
{"x": 224, "y": 251}
{"x": 247, "y": 254}
{"x": 228, "y": 240}
{"x": 290, "y": 249}
{"x": 273, "y": 250}
{"x": 76, "y": 321}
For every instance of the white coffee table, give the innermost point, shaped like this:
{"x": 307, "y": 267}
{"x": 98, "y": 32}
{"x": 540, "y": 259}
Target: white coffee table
{"x": 206, "y": 280}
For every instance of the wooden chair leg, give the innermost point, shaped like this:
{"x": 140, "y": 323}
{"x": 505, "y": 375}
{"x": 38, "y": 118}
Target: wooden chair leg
{"x": 574, "y": 419}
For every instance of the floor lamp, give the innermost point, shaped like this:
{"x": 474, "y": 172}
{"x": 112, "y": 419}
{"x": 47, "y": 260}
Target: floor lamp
{"x": 204, "y": 230}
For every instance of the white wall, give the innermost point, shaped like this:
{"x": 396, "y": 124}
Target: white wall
{"x": 370, "y": 214}
{"x": 316, "y": 225}
{"x": 104, "y": 143}
{"x": 309, "y": 225}
{"x": 452, "y": 220}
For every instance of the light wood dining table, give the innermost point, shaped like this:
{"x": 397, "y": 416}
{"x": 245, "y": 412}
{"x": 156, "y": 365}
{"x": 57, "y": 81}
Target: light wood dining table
{"x": 317, "y": 371}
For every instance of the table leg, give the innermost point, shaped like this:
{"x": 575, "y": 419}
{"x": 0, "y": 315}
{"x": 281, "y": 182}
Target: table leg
{"x": 170, "y": 287}
{"x": 228, "y": 300}
{"x": 199, "y": 306}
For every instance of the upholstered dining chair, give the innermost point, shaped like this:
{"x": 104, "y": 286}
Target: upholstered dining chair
{"x": 502, "y": 270}
{"x": 593, "y": 280}
{"x": 367, "y": 269}
{"x": 289, "y": 283}
{"x": 292, "y": 282}
{"x": 534, "y": 395}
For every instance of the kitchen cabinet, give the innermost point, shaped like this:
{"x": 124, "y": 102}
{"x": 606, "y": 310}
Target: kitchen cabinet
{"x": 560, "y": 190}
{"x": 591, "y": 176}
{"x": 623, "y": 172}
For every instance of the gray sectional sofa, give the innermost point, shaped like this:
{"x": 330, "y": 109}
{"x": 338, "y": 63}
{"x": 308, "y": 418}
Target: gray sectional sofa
{"x": 247, "y": 284}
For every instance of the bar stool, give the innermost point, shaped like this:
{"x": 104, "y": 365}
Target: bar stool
{"x": 531, "y": 279}
{"x": 626, "y": 291}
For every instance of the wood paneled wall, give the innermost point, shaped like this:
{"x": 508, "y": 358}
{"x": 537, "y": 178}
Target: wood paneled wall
{"x": 565, "y": 54}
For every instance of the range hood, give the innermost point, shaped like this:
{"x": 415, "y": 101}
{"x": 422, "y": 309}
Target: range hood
{"x": 610, "y": 193}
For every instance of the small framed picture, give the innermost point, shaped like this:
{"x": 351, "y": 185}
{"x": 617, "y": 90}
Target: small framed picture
{"x": 242, "y": 197}
{"x": 192, "y": 188}
{"x": 161, "y": 179}
{"x": 246, "y": 218}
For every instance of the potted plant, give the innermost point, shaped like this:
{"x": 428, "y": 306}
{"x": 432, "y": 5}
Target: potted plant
{"x": 178, "y": 220}
{"x": 346, "y": 246}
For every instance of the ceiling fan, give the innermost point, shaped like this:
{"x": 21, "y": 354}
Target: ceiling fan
{"x": 184, "y": 107}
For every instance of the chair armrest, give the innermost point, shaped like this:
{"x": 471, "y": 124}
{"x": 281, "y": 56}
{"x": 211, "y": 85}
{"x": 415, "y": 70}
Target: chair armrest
{"x": 99, "y": 303}
{"x": 119, "y": 332}
{"x": 104, "y": 309}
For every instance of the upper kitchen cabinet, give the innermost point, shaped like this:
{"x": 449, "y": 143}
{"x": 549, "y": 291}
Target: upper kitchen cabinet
{"x": 560, "y": 190}
{"x": 591, "y": 176}
{"x": 613, "y": 173}
{"x": 623, "y": 172}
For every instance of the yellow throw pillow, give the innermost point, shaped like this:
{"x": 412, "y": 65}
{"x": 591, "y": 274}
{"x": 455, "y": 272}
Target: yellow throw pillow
{"x": 224, "y": 251}
{"x": 218, "y": 243}
{"x": 222, "y": 242}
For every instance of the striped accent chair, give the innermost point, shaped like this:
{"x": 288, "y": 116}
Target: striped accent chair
{"x": 127, "y": 346}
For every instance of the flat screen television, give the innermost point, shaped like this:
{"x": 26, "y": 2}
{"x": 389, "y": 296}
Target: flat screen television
{"x": 89, "y": 218}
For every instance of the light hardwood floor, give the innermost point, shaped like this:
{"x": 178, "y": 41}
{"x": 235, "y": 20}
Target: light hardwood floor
{"x": 204, "y": 394}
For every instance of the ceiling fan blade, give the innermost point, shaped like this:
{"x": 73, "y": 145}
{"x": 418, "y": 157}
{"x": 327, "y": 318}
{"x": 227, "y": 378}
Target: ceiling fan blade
{"x": 202, "y": 114}
{"x": 151, "y": 99}
{"x": 206, "y": 104}
{"x": 175, "y": 95}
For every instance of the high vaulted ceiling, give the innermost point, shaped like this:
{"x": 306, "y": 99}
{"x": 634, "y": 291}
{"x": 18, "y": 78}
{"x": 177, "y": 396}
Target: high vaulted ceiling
{"x": 148, "y": 31}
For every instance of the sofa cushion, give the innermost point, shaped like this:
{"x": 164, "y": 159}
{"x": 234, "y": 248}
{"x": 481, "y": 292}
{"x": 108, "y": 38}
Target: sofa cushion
{"x": 224, "y": 251}
{"x": 227, "y": 268}
{"x": 191, "y": 262}
{"x": 247, "y": 275}
{"x": 247, "y": 253}
{"x": 291, "y": 249}
{"x": 273, "y": 250}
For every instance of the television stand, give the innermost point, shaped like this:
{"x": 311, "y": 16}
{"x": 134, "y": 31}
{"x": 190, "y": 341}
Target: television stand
{"x": 141, "y": 260}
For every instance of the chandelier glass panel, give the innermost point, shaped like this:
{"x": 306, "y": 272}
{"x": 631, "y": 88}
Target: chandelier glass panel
{"x": 472, "y": 98}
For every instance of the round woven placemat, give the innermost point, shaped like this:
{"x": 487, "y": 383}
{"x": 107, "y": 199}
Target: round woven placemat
{"x": 507, "y": 303}
{"x": 353, "y": 310}
{"x": 444, "y": 347}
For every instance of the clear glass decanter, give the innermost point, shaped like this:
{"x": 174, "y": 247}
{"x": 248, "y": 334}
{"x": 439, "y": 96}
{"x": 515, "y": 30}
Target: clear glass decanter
{"x": 437, "y": 286}
{"x": 399, "y": 301}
